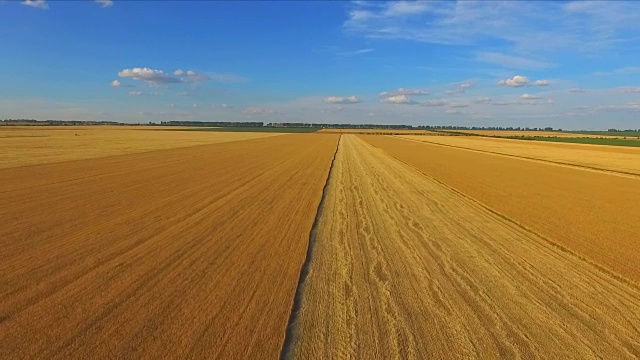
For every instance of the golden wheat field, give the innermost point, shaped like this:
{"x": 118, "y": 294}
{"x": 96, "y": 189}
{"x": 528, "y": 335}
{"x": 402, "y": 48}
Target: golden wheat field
{"x": 30, "y": 145}
{"x": 507, "y": 133}
{"x": 619, "y": 159}
{"x": 380, "y": 131}
{"x": 126, "y": 242}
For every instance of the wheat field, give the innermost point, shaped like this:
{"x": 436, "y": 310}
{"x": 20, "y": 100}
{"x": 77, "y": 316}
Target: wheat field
{"x": 405, "y": 267}
{"x": 182, "y": 253}
{"x": 135, "y": 242}
{"x": 32, "y": 145}
{"x": 625, "y": 160}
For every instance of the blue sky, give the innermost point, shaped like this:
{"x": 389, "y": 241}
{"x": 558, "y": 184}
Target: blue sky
{"x": 573, "y": 65}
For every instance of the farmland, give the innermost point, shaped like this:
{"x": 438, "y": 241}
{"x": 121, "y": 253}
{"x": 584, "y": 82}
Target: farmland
{"x": 166, "y": 254}
{"x": 517, "y": 133}
{"x": 615, "y": 159}
{"x": 141, "y": 242}
{"x": 30, "y": 145}
{"x": 406, "y": 267}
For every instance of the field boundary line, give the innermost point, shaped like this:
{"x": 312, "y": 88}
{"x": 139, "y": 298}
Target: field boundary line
{"x": 551, "y": 162}
{"x": 548, "y": 240}
{"x": 285, "y": 350}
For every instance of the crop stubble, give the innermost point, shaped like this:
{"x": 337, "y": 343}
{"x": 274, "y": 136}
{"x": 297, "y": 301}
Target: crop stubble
{"x": 191, "y": 252}
{"x": 625, "y": 160}
{"x": 33, "y": 145}
{"x": 406, "y": 267}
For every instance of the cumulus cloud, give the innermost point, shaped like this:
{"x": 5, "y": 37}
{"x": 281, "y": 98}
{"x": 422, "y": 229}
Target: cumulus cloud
{"x": 541, "y": 83}
{"x": 258, "y": 111}
{"x": 460, "y": 89}
{"x": 105, "y": 3}
{"x": 115, "y": 83}
{"x": 530, "y": 97}
{"x": 398, "y": 99}
{"x": 435, "y": 102}
{"x": 149, "y": 75}
{"x": 40, "y": 4}
{"x": 342, "y": 100}
{"x": 191, "y": 76}
{"x": 578, "y": 91}
{"x": 402, "y": 91}
{"x": 516, "y": 81}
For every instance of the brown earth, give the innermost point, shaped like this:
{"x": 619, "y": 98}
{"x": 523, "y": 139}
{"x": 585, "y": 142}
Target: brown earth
{"x": 191, "y": 252}
{"x": 31, "y": 145}
{"x": 593, "y": 214}
{"x": 610, "y": 158}
{"x": 405, "y": 267}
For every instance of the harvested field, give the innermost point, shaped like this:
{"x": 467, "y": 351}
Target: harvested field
{"x": 508, "y": 133}
{"x": 182, "y": 253}
{"x": 31, "y": 145}
{"x": 593, "y": 214}
{"x": 405, "y": 267}
{"x": 381, "y": 132}
{"x": 618, "y": 159}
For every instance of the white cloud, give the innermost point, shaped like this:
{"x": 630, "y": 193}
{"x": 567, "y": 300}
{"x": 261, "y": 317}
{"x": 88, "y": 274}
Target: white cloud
{"x": 191, "y": 76}
{"x": 405, "y": 8}
{"x": 149, "y": 75}
{"x": 258, "y": 111}
{"x": 460, "y": 89}
{"x": 402, "y": 91}
{"x": 141, "y": 93}
{"x": 631, "y": 106}
{"x": 482, "y": 100}
{"x": 578, "y": 91}
{"x": 342, "y": 99}
{"x": 458, "y": 105}
{"x": 527, "y": 27}
{"x": 516, "y": 81}
{"x": 355, "y": 52}
{"x": 530, "y": 97}
{"x": 40, "y": 4}
{"x": 541, "y": 83}
{"x": 398, "y": 99}
{"x": 115, "y": 83}
{"x": 453, "y": 112}
{"x": 513, "y": 62}
{"x": 222, "y": 106}
{"x": 630, "y": 89}
{"x": 105, "y": 3}
{"x": 435, "y": 102}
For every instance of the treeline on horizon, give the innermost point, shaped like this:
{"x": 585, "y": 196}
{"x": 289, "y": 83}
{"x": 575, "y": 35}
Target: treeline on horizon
{"x": 245, "y": 124}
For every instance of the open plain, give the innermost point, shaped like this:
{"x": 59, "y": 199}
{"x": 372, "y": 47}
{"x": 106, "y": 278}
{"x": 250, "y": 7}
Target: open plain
{"x": 145, "y": 243}
{"x": 183, "y": 253}
{"x": 31, "y": 145}
{"x": 405, "y": 267}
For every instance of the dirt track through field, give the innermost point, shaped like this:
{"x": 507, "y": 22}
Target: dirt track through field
{"x": 191, "y": 252}
{"x": 406, "y": 267}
